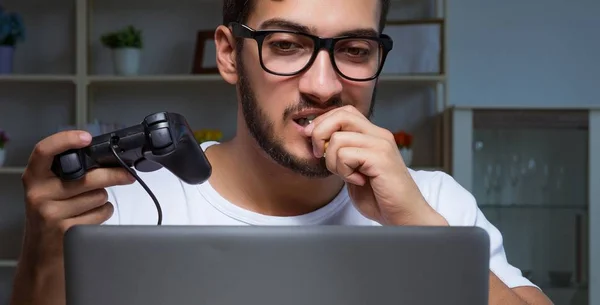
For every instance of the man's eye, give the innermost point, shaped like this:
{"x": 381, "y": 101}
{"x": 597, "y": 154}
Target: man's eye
{"x": 359, "y": 52}
{"x": 284, "y": 45}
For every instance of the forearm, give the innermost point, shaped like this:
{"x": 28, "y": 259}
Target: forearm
{"x": 499, "y": 293}
{"x": 38, "y": 285}
{"x": 39, "y": 277}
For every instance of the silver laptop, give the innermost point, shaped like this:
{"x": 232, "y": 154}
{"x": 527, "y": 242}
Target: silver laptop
{"x": 311, "y": 265}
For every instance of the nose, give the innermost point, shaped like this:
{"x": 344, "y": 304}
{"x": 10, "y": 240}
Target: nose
{"x": 320, "y": 81}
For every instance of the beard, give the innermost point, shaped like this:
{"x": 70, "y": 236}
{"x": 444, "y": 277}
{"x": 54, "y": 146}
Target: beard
{"x": 262, "y": 128}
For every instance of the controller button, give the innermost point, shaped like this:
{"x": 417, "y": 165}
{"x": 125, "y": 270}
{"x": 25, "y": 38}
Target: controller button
{"x": 156, "y": 118}
{"x": 70, "y": 163}
{"x": 160, "y": 138}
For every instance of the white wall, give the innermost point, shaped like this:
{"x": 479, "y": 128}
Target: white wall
{"x": 515, "y": 52}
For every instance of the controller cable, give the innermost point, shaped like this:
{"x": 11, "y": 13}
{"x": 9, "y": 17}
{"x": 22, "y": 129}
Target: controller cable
{"x": 114, "y": 140}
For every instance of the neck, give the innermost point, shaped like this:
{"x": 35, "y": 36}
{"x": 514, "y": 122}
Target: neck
{"x": 263, "y": 186}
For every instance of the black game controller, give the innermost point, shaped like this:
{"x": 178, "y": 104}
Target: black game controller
{"x": 163, "y": 139}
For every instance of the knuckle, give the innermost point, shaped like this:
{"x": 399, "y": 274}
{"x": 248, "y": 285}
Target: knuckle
{"x": 33, "y": 197}
{"x": 341, "y": 154}
{"x": 335, "y": 137}
{"x": 40, "y": 149}
{"x": 26, "y": 178}
{"x": 48, "y": 211}
{"x": 387, "y": 135}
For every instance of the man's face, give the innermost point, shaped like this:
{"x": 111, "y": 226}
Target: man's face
{"x": 271, "y": 104}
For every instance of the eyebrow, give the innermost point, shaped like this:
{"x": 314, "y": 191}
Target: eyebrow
{"x": 294, "y": 26}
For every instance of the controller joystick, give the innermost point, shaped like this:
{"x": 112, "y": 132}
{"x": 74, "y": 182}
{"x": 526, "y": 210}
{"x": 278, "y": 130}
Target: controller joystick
{"x": 163, "y": 139}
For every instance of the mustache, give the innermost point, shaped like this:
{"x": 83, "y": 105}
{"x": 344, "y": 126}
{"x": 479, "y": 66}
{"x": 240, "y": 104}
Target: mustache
{"x": 306, "y": 102}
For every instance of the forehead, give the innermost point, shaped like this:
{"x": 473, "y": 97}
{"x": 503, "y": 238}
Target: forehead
{"x": 323, "y": 17}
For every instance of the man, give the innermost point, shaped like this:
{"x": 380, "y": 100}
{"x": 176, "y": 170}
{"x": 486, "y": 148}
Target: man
{"x": 305, "y": 152}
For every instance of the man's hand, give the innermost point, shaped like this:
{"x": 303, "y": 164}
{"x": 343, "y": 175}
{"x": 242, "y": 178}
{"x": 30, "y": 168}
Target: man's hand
{"x": 52, "y": 207}
{"x": 367, "y": 158}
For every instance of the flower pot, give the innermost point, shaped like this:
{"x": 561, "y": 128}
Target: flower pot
{"x": 407, "y": 155}
{"x": 6, "y": 59}
{"x": 2, "y": 156}
{"x": 127, "y": 61}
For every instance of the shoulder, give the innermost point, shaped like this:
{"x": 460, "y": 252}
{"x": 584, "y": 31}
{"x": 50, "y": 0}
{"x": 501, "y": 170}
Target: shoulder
{"x": 459, "y": 207}
{"x": 446, "y": 196}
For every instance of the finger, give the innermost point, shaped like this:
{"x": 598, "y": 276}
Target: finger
{"x": 100, "y": 178}
{"x": 349, "y": 162}
{"x": 43, "y": 154}
{"x": 347, "y": 108}
{"x": 97, "y": 179}
{"x": 82, "y": 203}
{"x": 342, "y": 141}
{"x": 92, "y": 217}
{"x": 342, "y": 121}
{"x": 58, "y": 210}
{"x": 346, "y": 138}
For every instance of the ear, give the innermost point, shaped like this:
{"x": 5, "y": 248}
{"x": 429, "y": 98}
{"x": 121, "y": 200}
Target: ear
{"x": 225, "y": 44}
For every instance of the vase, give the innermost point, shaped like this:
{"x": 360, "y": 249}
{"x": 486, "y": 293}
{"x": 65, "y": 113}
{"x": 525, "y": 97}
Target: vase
{"x": 127, "y": 61}
{"x": 6, "y": 59}
{"x": 407, "y": 155}
{"x": 2, "y": 156}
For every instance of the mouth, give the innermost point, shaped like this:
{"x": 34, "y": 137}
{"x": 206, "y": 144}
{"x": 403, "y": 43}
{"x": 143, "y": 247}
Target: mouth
{"x": 304, "y": 121}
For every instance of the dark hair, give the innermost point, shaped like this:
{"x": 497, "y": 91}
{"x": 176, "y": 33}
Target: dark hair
{"x": 238, "y": 11}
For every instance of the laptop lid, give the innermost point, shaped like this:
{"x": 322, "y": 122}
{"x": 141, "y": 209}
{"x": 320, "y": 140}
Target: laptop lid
{"x": 316, "y": 265}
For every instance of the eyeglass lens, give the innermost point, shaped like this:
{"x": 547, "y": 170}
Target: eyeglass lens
{"x": 288, "y": 53}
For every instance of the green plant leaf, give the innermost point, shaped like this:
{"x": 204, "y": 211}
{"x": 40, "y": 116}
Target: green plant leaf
{"x": 128, "y": 37}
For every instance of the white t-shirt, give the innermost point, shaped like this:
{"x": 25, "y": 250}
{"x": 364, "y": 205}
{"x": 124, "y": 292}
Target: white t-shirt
{"x": 184, "y": 204}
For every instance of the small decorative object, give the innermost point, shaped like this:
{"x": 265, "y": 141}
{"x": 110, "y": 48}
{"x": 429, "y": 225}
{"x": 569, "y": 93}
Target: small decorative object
{"x": 205, "y": 135}
{"x": 205, "y": 56}
{"x": 12, "y": 31}
{"x": 404, "y": 142}
{"x": 4, "y": 139}
{"x": 126, "y": 45}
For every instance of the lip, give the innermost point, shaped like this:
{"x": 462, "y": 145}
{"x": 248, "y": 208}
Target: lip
{"x": 309, "y": 112}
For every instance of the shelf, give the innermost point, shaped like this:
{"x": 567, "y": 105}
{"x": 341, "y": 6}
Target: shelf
{"x": 114, "y": 79}
{"x": 37, "y": 78}
{"x": 8, "y": 263}
{"x": 535, "y": 206}
{"x": 11, "y": 170}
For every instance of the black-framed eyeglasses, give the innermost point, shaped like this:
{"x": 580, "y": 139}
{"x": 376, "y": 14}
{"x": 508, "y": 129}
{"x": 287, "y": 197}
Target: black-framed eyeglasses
{"x": 287, "y": 53}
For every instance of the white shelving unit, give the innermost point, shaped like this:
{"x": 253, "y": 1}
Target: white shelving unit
{"x": 63, "y": 77}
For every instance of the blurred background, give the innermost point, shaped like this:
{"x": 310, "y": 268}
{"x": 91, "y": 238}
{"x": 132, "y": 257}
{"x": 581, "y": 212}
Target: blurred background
{"x": 502, "y": 95}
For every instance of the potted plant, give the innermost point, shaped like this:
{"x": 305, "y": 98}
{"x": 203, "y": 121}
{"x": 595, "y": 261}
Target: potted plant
{"x": 4, "y": 139}
{"x": 126, "y": 46}
{"x": 12, "y": 31}
{"x": 404, "y": 141}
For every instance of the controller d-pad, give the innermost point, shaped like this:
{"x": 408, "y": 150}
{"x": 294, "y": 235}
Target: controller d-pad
{"x": 70, "y": 163}
{"x": 160, "y": 138}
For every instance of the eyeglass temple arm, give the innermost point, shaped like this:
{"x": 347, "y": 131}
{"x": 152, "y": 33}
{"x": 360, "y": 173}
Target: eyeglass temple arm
{"x": 240, "y": 30}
